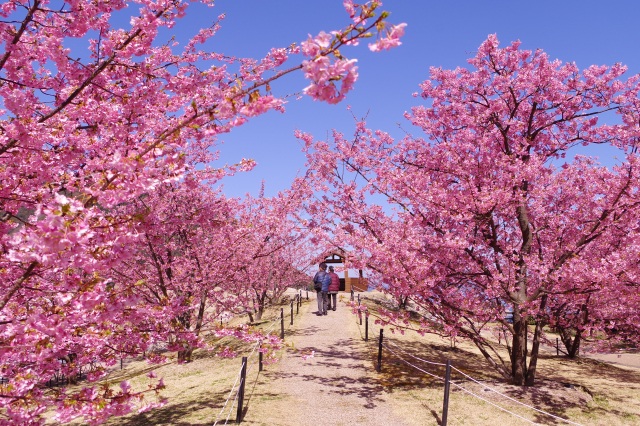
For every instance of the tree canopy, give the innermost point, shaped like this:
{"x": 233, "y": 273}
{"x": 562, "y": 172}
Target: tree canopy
{"x": 112, "y": 240}
{"x": 489, "y": 213}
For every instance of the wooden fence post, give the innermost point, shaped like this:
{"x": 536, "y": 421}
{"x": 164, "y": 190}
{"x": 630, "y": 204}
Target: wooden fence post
{"x": 447, "y": 384}
{"x": 260, "y": 358}
{"x": 352, "y": 295}
{"x": 291, "y": 313}
{"x": 282, "y": 323}
{"x": 380, "y": 352}
{"x": 243, "y": 377}
{"x": 366, "y": 326}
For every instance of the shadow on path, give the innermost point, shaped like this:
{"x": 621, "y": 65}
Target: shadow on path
{"x": 325, "y": 376}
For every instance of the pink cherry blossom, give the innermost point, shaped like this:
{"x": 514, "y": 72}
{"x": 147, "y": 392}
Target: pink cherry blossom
{"x": 113, "y": 241}
{"x": 390, "y": 40}
{"x": 487, "y": 225}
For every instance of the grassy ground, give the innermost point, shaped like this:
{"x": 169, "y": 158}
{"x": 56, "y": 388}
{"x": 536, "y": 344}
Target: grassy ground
{"x": 588, "y": 392}
{"x": 584, "y": 390}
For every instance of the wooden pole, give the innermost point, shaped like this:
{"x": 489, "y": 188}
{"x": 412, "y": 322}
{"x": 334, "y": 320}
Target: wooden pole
{"x": 291, "y": 313}
{"x": 380, "y": 352}
{"x": 366, "y": 327}
{"x": 447, "y": 384}
{"x": 282, "y": 323}
{"x": 243, "y": 377}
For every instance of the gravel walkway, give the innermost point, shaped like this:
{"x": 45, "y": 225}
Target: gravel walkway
{"x": 337, "y": 386}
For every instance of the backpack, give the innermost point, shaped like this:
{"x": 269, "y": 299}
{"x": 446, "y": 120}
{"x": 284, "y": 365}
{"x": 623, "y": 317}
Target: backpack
{"x": 317, "y": 280}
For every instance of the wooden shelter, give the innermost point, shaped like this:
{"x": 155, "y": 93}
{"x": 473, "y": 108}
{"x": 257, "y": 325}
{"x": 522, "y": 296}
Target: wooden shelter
{"x": 347, "y": 283}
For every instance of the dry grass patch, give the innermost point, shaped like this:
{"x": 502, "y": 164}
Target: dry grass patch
{"x": 585, "y": 391}
{"x": 197, "y": 391}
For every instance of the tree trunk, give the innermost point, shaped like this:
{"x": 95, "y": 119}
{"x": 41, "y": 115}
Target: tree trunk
{"x": 533, "y": 356}
{"x": 201, "y": 310}
{"x": 519, "y": 352}
{"x": 402, "y": 302}
{"x": 260, "y": 308}
{"x": 571, "y": 344}
{"x": 259, "y": 312}
{"x": 575, "y": 348}
{"x": 519, "y": 349}
{"x": 535, "y": 346}
{"x": 185, "y": 355}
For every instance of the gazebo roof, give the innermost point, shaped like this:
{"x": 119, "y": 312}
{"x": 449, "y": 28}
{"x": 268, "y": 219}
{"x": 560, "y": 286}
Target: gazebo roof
{"x": 334, "y": 257}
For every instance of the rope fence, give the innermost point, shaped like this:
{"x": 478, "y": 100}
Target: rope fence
{"x": 235, "y": 397}
{"x": 238, "y": 389}
{"x": 402, "y": 355}
{"x": 229, "y": 398}
{"x": 406, "y": 358}
{"x": 515, "y": 400}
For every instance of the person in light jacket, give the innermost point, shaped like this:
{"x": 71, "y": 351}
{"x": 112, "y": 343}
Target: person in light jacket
{"x": 334, "y": 288}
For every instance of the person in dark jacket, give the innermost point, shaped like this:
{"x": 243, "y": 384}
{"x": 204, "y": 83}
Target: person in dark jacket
{"x": 334, "y": 288}
{"x": 326, "y": 281}
{"x": 321, "y": 282}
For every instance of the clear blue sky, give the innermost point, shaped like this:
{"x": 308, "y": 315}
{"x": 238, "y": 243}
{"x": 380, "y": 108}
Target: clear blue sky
{"x": 439, "y": 33}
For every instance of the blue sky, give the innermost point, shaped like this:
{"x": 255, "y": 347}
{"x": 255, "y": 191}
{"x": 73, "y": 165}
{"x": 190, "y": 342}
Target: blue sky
{"x": 439, "y": 33}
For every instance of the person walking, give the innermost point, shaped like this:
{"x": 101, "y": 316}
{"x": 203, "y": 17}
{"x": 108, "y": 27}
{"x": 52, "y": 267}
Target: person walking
{"x": 334, "y": 288}
{"x": 326, "y": 281}
{"x": 321, "y": 281}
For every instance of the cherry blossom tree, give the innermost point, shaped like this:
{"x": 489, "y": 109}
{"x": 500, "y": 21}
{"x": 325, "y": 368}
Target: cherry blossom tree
{"x": 597, "y": 313}
{"x": 277, "y": 254}
{"x": 203, "y": 257}
{"x": 84, "y": 133}
{"x": 183, "y": 261}
{"x": 490, "y": 213}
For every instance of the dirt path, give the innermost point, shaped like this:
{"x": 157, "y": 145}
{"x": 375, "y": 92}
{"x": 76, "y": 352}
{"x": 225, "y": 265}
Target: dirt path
{"x": 339, "y": 386}
{"x": 334, "y": 387}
